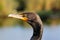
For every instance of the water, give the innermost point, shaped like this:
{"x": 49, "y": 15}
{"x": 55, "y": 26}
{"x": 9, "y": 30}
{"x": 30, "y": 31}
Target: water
{"x": 51, "y": 33}
{"x": 19, "y": 33}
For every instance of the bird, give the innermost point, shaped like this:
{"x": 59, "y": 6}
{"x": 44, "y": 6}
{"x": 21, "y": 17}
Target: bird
{"x": 34, "y": 20}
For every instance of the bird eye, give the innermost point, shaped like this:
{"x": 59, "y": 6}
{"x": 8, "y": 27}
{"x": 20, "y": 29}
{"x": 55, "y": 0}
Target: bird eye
{"x": 25, "y": 15}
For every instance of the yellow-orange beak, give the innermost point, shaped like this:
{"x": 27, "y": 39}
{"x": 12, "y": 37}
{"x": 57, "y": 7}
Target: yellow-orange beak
{"x": 18, "y": 16}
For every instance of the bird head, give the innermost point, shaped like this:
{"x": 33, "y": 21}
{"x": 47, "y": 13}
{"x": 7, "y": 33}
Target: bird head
{"x": 25, "y": 16}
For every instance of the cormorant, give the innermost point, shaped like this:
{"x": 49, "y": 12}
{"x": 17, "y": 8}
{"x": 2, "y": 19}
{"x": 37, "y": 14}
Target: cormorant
{"x": 34, "y": 20}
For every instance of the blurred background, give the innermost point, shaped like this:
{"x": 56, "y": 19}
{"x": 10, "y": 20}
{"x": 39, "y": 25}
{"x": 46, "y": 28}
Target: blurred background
{"x": 14, "y": 29}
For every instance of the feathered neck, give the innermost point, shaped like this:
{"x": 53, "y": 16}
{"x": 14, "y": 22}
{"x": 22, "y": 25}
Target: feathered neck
{"x": 37, "y": 31}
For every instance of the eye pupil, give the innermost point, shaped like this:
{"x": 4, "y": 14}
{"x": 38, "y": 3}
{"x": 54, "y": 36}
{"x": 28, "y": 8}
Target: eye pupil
{"x": 24, "y": 15}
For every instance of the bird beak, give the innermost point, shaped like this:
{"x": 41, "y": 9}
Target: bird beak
{"x": 18, "y": 16}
